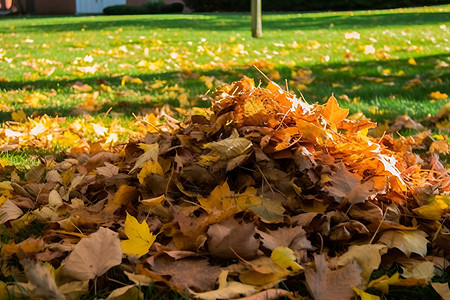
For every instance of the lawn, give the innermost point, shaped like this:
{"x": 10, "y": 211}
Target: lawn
{"x": 77, "y": 93}
{"x": 382, "y": 63}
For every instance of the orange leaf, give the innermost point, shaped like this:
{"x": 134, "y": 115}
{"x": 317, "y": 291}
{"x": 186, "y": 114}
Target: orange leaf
{"x": 125, "y": 194}
{"x": 438, "y": 95}
{"x": 333, "y": 113}
{"x": 28, "y": 246}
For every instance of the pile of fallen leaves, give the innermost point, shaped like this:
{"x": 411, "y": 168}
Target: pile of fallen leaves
{"x": 260, "y": 196}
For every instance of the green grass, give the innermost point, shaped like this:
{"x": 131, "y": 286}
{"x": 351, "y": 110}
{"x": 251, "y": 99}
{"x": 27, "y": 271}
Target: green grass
{"x": 220, "y": 45}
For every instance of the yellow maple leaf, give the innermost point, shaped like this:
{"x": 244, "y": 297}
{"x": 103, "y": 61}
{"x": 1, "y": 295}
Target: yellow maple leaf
{"x": 412, "y": 61}
{"x": 184, "y": 100}
{"x": 386, "y": 72}
{"x": 333, "y": 113}
{"x": 285, "y": 258}
{"x": 106, "y": 88}
{"x": 3, "y": 162}
{"x": 19, "y": 116}
{"x": 208, "y": 80}
{"x": 34, "y": 99}
{"x": 91, "y": 103}
{"x": 140, "y": 239}
{"x": 130, "y": 79}
{"x": 435, "y": 209}
{"x": 220, "y": 198}
{"x": 150, "y": 167}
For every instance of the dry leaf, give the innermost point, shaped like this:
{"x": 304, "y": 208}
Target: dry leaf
{"x": 349, "y": 186}
{"x": 108, "y": 170}
{"x": 384, "y": 282}
{"x": 39, "y": 275}
{"x": 149, "y": 168}
{"x": 365, "y": 296}
{"x": 285, "y": 258}
{"x": 333, "y": 113}
{"x": 438, "y": 95}
{"x": 192, "y": 273}
{"x": 126, "y": 292}
{"x": 367, "y": 256}
{"x": 442, "y": 289}
{"x": 269, "y": 209}
{"x": 28, "y": 247}
{"x": 223, "y": 241}
{"x": 124, "y": 195}
{"x": 417, "y": 269}
{"x": 9, "y": 211}
{"x": 270, "y": 294}
{"x": 227, "y": 289}
{"x": 406, "y": 241}
{"x": 151, "y": 153}
{"x": 232, "y": 183}
{"x": 75, "y": 289}
{"x": 95, "y": 255}
{"x": 226, "y": 149}
{"x": 53, "y": 176}
{"x": 435, "y": 209}
{"x": 404, "y": 121}
{"x": 140, "y": 239}
{"x": 442, "y": 147}
{"x": 81, "y": 87}
{"x": 286, "y": 237}
{"x": 139, "y": 280}
{"x": 325, "y": 284}
{"x": 221, "y": 198}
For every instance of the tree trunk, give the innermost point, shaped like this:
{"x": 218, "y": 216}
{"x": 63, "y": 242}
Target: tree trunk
{"x": 256, "y": 18}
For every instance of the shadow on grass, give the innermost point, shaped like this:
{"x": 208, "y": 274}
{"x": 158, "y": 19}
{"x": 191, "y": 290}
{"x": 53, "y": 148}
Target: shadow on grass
{"x": 206, "y": 22}
{"x": 404, "y": 88}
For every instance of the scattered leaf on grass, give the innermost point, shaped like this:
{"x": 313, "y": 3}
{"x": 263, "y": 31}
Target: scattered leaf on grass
{"x": 438, "y": 95}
